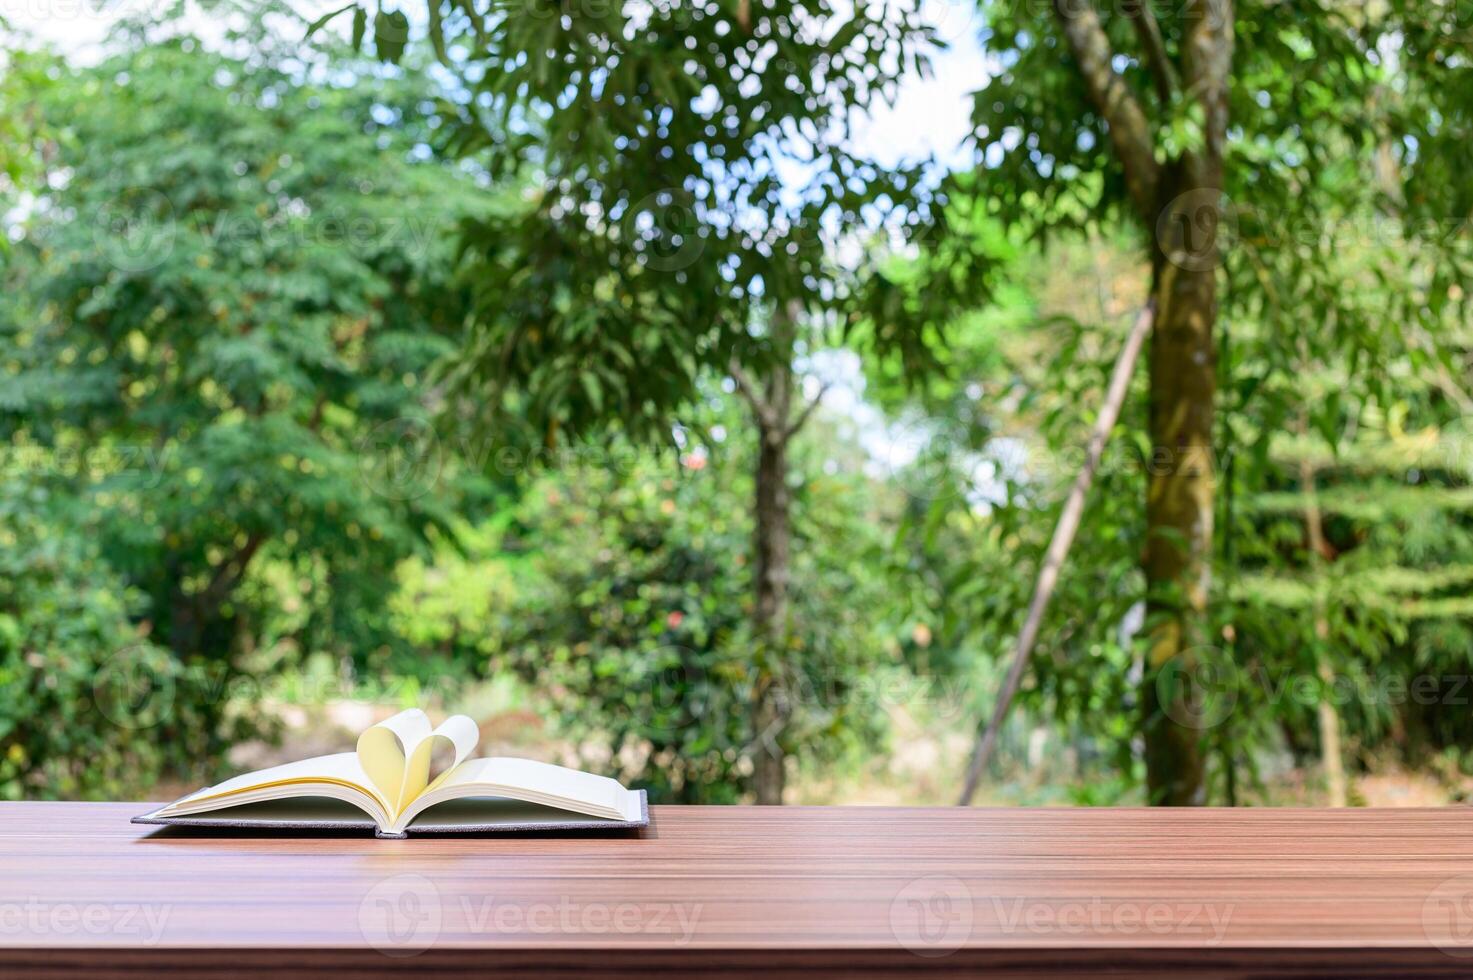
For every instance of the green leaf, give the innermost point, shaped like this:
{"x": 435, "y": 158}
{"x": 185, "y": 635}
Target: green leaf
{"x": 360, "y": 25}
{"x": 437, "y": 32}
{"x": 390, "y": 35}
{"x": 320, "y": 22}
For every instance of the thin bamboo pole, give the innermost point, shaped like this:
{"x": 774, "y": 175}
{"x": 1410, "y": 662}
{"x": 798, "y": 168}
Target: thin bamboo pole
{"x": 1058, "y": 548}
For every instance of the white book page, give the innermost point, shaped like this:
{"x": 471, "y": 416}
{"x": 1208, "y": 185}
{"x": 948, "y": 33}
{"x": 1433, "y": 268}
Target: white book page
{"x": 533, "y": 782}
{"x": 462, "y": 735}
{"x": 542, "y": 778}
{"x": 341, "y": 767}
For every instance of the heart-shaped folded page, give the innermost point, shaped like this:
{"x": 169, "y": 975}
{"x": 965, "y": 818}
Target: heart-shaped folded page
{"x": 399, "y": 755}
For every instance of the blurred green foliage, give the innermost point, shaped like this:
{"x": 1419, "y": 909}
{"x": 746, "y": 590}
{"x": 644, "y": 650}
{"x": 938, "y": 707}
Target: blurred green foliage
{"x": 78, "y": 677}
{"x": 637, "y": 624}
{"x": 1384, "y": 610}
{"x": 231, "y": 298}
{"x": 219, "y": 319}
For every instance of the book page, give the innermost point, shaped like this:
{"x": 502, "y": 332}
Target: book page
{"x": 461, "y": 735}
{"x": 384, "y": 750}
{"x": 398, "y": 754}
{"x": 341, "y": 768}
{"x": 297, "y": 810}
{"x": 543, "y": 782}
{"x": 451, "y": 816}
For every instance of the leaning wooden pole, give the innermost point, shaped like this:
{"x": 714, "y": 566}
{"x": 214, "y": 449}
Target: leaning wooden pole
{"x": 1329, "y": 718}
{"x": 1058, "y": 547}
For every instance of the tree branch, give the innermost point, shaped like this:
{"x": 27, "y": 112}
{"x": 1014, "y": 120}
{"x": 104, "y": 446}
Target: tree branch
{"x": 807, "y": 412}
{"x": 748, "y": 389}
{"x": 229, "y": 573}
{"x": 1143, "y": 19}
{"x": 1130, "y": 133}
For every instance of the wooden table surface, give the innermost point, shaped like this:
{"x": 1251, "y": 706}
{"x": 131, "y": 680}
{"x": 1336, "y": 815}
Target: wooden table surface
{"x": 1218, "y": 892}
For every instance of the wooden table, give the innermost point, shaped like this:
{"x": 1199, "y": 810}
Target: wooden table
{"x": 1022, "y": 892}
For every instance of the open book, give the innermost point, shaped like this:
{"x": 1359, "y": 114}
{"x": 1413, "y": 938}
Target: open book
{"x": 406, "y": 777}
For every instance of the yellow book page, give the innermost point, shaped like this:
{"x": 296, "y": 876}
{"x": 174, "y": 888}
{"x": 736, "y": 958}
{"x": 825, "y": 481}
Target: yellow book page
{"x": 399, "y": 753}
{"x": 383, "y": 750}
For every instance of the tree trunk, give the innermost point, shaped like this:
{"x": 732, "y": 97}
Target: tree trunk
{"x": 770, "y": 709}
{"x": 1180, "y": 201}
{"x": 772, "y": 534}
{"x": 1179, "y": 495}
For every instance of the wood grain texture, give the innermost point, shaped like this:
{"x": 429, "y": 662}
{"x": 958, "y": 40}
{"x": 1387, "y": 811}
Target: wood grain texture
{"x": 1019, "y": 892}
